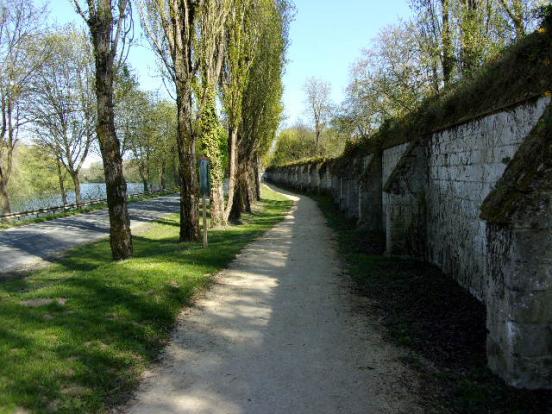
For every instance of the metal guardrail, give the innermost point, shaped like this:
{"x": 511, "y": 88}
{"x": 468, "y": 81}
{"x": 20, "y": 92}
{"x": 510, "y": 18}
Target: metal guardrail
{"x": 41, "y": 212}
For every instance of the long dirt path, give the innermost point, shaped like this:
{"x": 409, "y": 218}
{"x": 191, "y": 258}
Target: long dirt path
{"x": 279, "y": 333}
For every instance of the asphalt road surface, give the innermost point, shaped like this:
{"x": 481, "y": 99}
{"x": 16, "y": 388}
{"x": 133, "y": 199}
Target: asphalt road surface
{"x": 25, "y": 247}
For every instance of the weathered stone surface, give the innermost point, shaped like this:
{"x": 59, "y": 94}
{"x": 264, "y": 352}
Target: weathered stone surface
{"x": 425, "y": 198}
{"x": 465, "y": 164}
{"x": 406, "y": 210}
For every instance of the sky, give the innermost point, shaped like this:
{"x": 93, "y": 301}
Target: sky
{"x": 326, "y": 38}
{"x": 141, "y": 58}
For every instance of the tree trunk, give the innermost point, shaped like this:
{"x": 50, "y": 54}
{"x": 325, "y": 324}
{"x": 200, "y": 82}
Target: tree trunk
{"x": 518, "y": 19}
{"x": 116, "y": 188}
{"x": 176, "y": 169}
{"x": 76, "y": 184}
{"x": 435, "y": 81}
{"x": 4, "y": 198}
{"x": 244, "y": 195}
{"x": 61, "y": 183}
{"x": 217, "y": 200}
{"x": 162, "y": 179}
{"x": 189, "y": 207}
{"x": 217, "y": 205}
{"x": 251, "y": 188}
{"x": 233, "y": 150}
{"x": 447, "y": 54}
{"x": 317, "y": 140}
{"x": 516, "y": 15}
{"x": 257, "y": 179}
{"x": 209, "y": 139}
{"x": 239, "y": 204}
{"x": 144, "y": 176}
{"x": 119, "y": 220}
{"x": 469, "y": 41}
{"x": 148, "y": 186}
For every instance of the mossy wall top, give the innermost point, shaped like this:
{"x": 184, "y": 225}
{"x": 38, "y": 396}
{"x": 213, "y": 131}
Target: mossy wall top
{"x": 523, "y": 72}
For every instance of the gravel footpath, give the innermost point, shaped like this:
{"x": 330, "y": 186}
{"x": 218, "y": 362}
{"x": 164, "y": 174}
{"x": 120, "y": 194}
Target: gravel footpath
{"x": 280, "y": 332}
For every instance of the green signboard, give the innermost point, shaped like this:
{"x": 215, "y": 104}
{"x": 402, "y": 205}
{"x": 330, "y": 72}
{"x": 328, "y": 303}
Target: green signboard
{"x": 204, "y": 176}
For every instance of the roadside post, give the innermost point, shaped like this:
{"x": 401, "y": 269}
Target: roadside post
{"x": 205, "y": 190}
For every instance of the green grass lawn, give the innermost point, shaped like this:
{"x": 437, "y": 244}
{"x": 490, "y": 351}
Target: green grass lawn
{"x": 76, "y": 336}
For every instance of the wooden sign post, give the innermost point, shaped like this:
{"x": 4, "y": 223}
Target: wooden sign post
{"x": 205, "y": 190}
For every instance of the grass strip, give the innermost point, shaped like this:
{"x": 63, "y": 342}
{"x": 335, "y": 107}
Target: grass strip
{"x": 77, "y": 335}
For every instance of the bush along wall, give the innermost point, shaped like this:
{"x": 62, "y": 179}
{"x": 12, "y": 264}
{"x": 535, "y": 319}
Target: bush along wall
{"x": 471, "y": 192}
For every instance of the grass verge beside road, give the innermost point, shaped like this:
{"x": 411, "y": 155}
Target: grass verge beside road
{"x": 76, "y": 336}
{"x": 133, "y": 198}
{"x": 440, "y": 325}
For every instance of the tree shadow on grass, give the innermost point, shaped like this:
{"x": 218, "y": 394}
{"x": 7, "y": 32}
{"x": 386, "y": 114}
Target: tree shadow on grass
{"x": 103, "y": 322}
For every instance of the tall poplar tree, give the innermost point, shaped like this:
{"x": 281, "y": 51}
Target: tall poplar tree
{"x": 261, "y": 104}
{"x": 21, "y": 22}
{"x": 211, "y": 48}
{"x": 171, "y": 30}
{"x": 242, "y": 38}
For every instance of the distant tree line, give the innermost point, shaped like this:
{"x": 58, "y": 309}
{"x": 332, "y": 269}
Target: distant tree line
{"x": 48, "y": 96}
{"x": 442, "y": 44}
{"x": 445, "y": 42}
{"x": 72, "y": 91}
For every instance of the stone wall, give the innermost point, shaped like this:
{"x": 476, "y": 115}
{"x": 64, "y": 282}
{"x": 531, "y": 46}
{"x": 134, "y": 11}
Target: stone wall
{"x": 423, "y": 199}
{"x": 464, "y": 165}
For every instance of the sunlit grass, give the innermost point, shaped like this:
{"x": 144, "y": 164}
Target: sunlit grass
{"x": 76, "y": 336}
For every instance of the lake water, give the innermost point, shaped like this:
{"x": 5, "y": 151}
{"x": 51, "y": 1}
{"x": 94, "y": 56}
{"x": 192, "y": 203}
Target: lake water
{"x": 89, "y": 191}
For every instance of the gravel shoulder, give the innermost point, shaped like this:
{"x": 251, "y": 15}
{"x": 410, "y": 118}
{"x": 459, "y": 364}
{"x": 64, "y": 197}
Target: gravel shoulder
{"x": 280, "y": 332}
{"x": 32, "y": 245}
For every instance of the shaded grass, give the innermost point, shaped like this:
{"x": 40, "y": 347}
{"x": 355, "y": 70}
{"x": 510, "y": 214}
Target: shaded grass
{"x": 6, "y": 224}
{"x": 441, "y": 326}
{"x": 85, "y": 351}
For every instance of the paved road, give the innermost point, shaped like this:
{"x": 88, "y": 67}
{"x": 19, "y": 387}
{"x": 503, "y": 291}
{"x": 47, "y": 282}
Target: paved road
{"x": 280, "y": 332}
{"x": 23, "y": 247}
